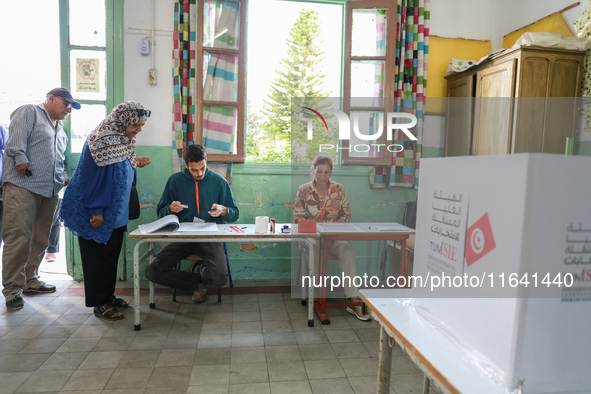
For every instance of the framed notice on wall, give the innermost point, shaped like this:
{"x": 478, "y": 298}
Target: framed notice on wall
{"x": 87, "y": 75}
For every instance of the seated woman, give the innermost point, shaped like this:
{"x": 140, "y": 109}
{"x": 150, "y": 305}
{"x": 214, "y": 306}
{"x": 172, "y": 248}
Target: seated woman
{"x": 96, "y": 203}
{"x": 324, "y": 200}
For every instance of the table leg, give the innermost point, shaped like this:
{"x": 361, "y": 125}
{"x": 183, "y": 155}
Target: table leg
{"x": 136, "y": 287}
{"x": 320, "y": 306}
{"x": 311, "y": 287}
{"x": 384, "y": 363}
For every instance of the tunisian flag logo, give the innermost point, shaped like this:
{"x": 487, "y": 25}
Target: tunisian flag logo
{"x": 479, "y": 240}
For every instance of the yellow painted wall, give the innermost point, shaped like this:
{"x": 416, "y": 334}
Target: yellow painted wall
{"x": 441, "y": 50}
{"x": 554, "y": 23}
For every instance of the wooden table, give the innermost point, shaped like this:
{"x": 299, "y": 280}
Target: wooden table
{"x": 444, "y": 364}
{"x": 224, "y": 234}
{"x": 364, "y": 232}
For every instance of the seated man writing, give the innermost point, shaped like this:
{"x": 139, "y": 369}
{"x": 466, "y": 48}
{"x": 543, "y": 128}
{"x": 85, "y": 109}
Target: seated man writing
{"x": 195, "y": 194}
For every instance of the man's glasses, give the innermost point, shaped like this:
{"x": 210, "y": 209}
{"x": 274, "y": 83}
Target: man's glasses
{"x": 141, "y": 112}
{"x": 69, "y": 105}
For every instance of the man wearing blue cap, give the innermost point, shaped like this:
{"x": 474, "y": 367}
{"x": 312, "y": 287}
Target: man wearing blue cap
{"x": 34, "y": 173}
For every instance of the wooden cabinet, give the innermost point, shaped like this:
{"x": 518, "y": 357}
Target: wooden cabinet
{"x": 524, "y": 100}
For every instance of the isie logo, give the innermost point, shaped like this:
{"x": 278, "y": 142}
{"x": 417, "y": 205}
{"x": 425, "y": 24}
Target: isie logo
{"x": 345, "y": 129}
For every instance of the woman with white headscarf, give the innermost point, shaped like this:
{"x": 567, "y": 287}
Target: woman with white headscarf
{"x": 96, "y": 203}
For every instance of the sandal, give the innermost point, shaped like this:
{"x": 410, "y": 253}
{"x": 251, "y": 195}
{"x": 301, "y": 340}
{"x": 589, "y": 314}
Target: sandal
{"x": 108, "y": 312}
{"x": 119, "y": 302}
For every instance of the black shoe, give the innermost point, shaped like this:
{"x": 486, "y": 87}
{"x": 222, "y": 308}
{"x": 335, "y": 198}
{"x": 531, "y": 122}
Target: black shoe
{"x": 16, "y": 303}
{"x": 43, "y": 288}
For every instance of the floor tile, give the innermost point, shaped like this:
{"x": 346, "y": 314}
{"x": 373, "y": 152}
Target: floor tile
{"x": 248, "y": 373}
{"x": 43, "y": 345}
{"x": 45, "y": 381}
{"x": 247, "y": 340}
{"x": 12, "y": 346}
{"x": 317, "y": 352}
{"x": 219, "y": 389}
{"x": 277, "y": 326}
{"x": 177, "y": 376}
{"x": 368, "y": 385}
{"x": 246, "y": 327}
{"x": 63, "y": 361}
{"x": 11, "y": 381}
{"x": 147, "y": 343}
{"x": 112, "y": 343}
{"x": 350, "y": 350}
{"x": 210, "y": 375}
{"x": 283, "y": 353}
{"x": 359, "y": 367}
{"x": 78, "y": 345}
{"x": 176, "y": 357}
{"x": 132, "y": 378}
{"x": 24, "y": 362}
{"x": 253, "y": 388}
{"x": 407, "y": 383}
{"x": 61, "y": 331}
{"x": 139, "y": 359}
{"x": 311, "y": 337}
{"x": 88, "y": 379}
{"x": 102, "y": 360}
{"x": 331, "y": 386}
{"x": 295, "y": 387}
{"x": 216, "y": 328}
{"x": 324, "y": 369}
{"x": 214, "y": 341}
{"x": 181, "y": 342}
{"x": 213, "y": 356}
{"x": 284, "y": 371}
{"x": 279, "y": 338}
{"x": 241, "y": 355}
{"x": 246, "y": 316}
{"x": 342, "y": 336}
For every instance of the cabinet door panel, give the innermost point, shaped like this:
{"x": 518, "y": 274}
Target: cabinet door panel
{"x": 495, "y": 87}
{"x": 458, "y": 122}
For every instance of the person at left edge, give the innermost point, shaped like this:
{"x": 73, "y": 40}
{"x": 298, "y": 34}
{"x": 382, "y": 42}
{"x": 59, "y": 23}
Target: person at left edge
{"x": 34, "y": 173}
{"x": 95, "y": 206}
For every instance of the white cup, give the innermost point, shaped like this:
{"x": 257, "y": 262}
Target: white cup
{"x": 261, "y": 224}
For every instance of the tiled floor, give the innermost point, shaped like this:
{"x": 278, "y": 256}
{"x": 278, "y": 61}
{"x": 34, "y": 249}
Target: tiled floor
{"x": 251, "y": 343}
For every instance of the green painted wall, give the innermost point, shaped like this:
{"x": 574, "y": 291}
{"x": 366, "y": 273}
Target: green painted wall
{"x": 583, "y": 148}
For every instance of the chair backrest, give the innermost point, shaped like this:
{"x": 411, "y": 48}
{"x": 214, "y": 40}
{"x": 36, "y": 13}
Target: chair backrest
{"x": 410, "y": 214}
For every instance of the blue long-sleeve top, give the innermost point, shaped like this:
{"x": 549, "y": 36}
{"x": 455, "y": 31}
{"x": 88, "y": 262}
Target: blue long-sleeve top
{"x": 95, "y": 190}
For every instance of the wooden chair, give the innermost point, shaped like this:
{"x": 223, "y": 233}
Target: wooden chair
{"x": 197, "y": 260}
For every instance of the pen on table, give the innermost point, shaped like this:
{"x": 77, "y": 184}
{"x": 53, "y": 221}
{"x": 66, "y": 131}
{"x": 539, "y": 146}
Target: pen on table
{"x": 243, "y": 228}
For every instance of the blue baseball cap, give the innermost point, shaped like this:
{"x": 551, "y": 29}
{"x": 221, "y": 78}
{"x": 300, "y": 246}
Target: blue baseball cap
{"x": 66, "y": 95}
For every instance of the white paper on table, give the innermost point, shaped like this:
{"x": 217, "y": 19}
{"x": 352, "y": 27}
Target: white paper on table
{"x": 338, "y": 227}
{"x": 194, "y": 226}
{"x": 390, "y": 228}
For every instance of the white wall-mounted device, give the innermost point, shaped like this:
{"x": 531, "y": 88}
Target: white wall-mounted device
{"x": 145, "y": 46}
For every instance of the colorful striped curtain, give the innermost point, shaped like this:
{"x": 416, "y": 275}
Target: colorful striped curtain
{"x": 183, "y": 55}
{"x": 412, "y": 51}
{"x": 221, "y": 78}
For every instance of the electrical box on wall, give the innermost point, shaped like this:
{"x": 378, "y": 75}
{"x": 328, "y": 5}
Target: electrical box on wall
{"x": 145, "y": 46}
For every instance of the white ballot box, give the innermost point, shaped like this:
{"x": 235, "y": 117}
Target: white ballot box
{"x": 503, "y": 250}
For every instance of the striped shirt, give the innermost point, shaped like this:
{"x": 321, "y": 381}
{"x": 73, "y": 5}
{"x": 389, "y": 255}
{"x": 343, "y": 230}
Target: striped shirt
{"x": 33, "y": 140}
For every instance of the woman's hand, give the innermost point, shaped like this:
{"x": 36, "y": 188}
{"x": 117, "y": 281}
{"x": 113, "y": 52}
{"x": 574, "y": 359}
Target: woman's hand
{"x": 97, "y": 220}
{"x": 143, "y": 161}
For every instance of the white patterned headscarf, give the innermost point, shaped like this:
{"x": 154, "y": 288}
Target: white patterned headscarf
{"x": 108, "y": 142}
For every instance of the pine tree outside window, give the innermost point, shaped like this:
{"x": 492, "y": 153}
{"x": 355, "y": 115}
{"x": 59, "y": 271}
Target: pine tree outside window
{"x": 223, "y": 110}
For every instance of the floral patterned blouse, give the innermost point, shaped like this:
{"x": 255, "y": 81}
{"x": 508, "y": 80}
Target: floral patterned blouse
{"x": 309, "y": 203}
